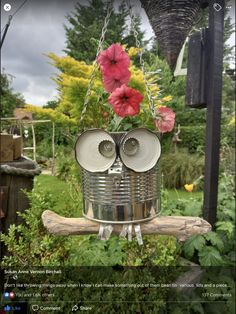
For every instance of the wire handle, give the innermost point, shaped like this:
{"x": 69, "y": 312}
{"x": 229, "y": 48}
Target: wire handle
{"x": 95, "y": 65}
{"x": 151, "y": 98}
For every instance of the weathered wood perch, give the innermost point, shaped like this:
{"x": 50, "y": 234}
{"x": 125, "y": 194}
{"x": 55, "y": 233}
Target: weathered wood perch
{"x": 179, "y": 226}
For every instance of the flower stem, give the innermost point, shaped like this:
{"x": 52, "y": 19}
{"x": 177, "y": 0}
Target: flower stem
{"x": 117, "y": 121}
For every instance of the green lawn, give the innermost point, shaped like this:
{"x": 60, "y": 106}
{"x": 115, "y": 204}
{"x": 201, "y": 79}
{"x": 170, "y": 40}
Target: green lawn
{"x": 51, "y": 184}
{"x": 179, "y": 194}
{"x": 64, "y": 198}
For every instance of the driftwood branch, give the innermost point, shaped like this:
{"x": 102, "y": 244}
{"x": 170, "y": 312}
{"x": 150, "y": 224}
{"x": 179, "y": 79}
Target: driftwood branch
{"x": 178, "y": 226}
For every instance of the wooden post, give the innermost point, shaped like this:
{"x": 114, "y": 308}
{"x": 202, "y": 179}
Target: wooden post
{"x": 214, "y": 95}
{"x": 14, "y": 199}
{"x": 53, "y": 146}
{"x": 34, "y": 142}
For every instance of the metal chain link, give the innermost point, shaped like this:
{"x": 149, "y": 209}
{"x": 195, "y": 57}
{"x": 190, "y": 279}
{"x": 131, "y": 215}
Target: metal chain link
{"x": 95, "y": 65}
{"x": 142, "y": 63}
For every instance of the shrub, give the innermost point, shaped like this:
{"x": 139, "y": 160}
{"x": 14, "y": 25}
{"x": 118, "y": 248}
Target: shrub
{"x": 181, "y": 207}
{"x": 181, "y": 168}
{"x": 29, "y": 244}
{"x": 66, "y": 166}
{"x": 193, "y": 138}
{"x": 216, "y": 247}
{"x": 156, "y": 251}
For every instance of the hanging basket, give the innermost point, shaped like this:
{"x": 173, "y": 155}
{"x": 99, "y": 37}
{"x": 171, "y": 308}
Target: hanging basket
{"x": 171, "y": 21}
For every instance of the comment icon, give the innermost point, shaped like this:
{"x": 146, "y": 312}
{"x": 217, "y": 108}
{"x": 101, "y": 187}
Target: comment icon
{"x": 35, "y": 307}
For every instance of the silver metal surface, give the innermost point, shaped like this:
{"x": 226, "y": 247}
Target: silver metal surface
{"x": 107, "y": 148}
{"x": 121, "y": 195}
{"x": 135, "y": 199}
{"x": 130, "y": 146}
{"x": 134, "y": 213}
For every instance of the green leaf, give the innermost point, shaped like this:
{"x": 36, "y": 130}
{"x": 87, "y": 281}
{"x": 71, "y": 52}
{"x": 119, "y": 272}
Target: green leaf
{"x": 127, "y": 126}
{"x": 193, "y": 243}
{"x": 177, "y": 311}
{"x": 197, "y": 308}
{"x": 226, "y": 226}
{"x": 210, "y": 257}
{"x": 232, "y": 256}
{"x": 215, "y": 240}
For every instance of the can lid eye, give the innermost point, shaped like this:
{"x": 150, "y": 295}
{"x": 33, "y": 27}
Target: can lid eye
{"x": 107, "y": 148}
{"x": 140, "y": 149}
{"x": 95, "y": 150}
{"x": 130, "y": 146}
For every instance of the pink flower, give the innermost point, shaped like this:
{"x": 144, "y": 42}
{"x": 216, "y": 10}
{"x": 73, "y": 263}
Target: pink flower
{"x": 112, "y": 82}
{"x": 113, "y": 60}
{"x": 125, "y": 101}
{"x": 166, "y": 119}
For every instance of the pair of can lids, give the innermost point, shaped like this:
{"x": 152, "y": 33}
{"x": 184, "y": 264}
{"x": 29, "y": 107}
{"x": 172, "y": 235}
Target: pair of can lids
{"x": 108, "y": 148}
{"x": 138, "y": 149}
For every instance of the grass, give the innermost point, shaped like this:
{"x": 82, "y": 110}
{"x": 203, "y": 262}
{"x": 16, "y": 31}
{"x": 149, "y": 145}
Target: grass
{"x": 180, "y": 194}
{"x": 61, "y": 194}
{"x": 62, "y": 197}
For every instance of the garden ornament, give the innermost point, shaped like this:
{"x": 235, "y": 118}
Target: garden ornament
{"x": 120, "y": 178}
{"x": 120, "y": 170}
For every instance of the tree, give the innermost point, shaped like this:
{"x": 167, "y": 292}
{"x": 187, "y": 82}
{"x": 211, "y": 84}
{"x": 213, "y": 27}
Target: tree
{"x": 85, "y": 29}
{"x": 51, "y": 104}
{"x": 229, "y": 51}
{"x": 9, "y": 99}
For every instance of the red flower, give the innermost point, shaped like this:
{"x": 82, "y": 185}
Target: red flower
{"x": 112, "y": 82}
{"x": 166, "y": 120}
{"x": 125, "y": 101}
{"x": 114, "y": 60}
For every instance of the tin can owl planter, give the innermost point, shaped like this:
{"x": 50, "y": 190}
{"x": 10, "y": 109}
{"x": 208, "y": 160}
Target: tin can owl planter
{"x": 120, "y": 170}
{"x": 120, "y": 175}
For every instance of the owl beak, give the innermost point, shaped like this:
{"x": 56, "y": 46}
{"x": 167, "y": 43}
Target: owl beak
{"x": 117, "y": 172}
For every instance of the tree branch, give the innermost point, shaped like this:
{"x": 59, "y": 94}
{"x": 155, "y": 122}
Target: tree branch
{"x": 179, "y": 226}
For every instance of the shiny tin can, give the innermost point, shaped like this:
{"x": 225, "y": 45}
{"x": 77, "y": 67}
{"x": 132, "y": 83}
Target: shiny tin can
{"x": 121, "y": 195}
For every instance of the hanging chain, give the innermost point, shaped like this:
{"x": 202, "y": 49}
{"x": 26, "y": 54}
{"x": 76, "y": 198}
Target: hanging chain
{"x": 141, "y": 61}
{"x": 95, "y": 65}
